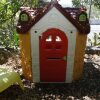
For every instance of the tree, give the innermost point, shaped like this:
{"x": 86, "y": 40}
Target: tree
{"x": 96, "y": 3}
{"x": 78, "y": 3}
{"x": 93, "y": 7}
{"x": 9, "y": 10}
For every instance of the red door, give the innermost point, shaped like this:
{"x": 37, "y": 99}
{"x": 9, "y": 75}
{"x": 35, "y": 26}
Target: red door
{"x": 53, "y": 53}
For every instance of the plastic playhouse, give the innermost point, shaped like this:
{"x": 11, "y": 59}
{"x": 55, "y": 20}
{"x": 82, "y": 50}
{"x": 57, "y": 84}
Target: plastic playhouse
{"x": 52, "y": 41}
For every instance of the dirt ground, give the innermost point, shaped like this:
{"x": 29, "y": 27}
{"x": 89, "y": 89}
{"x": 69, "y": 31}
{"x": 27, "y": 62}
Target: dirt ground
{"x": 87, "y": 88}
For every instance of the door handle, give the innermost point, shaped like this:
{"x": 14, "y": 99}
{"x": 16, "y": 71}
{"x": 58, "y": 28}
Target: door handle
{"x": 65, "y": 58}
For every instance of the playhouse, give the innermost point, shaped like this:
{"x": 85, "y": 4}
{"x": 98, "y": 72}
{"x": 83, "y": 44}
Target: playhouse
{"x": 52, "y": 42}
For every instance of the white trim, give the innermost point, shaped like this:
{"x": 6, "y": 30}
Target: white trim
{"x": 70, "y": 57}
{"x": 35, "y": 57}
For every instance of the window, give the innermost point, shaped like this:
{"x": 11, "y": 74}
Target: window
{"x": 82, "y": 17}
{"x": 58, "y": 38}
{"x": 24, "y": 17}
{"x": 49, "y": 38}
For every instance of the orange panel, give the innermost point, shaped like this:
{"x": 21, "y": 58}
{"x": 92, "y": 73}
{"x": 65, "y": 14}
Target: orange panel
{"x": 25, "y": 46}
{"x": 79, "y": 55}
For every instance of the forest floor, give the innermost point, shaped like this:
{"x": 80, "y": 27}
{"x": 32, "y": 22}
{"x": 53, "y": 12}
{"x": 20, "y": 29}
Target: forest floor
{"x": 87, "y": 88}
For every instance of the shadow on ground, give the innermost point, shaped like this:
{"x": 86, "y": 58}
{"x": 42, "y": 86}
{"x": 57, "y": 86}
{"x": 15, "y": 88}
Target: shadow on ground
{"x": 87, "y": 88}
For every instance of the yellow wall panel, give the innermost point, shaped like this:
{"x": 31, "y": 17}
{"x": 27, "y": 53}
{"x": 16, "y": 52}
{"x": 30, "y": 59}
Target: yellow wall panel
{"x": 25, "y": 46}
{"x": 79, "y": 55}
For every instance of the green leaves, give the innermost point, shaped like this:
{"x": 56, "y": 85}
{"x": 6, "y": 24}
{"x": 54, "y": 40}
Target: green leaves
{"x": 78, "y": 3}
{"x": 9, "y": 10}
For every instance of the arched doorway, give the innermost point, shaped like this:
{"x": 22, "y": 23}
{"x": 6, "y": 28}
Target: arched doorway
{"x": 53, "y": 55}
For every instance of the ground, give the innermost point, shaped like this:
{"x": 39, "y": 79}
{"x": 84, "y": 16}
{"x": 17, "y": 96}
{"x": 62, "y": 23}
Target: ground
{"x": 87, "y": 88}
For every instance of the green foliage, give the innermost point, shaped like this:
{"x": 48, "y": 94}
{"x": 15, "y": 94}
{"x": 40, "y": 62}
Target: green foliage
{"x": 78, "y": 3}
{"x": 95, "y": 40}
{"x": 9, "y": 10}
{"x": 96, "y": 3}
{"x": 93, "y": 7}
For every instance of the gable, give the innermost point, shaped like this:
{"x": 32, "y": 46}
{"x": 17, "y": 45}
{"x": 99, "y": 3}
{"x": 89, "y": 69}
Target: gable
{"x": 54, "y": 19}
